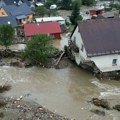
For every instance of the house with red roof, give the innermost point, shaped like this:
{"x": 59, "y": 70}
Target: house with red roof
{"x": 50, "y": 28}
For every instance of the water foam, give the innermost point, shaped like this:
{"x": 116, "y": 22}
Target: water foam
{"x": 109, "y": 89}
{"x": 6, "y": 75}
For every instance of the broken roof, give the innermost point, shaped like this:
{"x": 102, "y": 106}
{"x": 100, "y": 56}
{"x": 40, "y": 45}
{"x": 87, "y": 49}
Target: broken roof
{"x": 101, "y": 36}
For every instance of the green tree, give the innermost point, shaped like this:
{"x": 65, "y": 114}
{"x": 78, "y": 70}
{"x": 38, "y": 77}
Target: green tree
{"x": 6, "y": 35}
{"x": 38, "y": 48}
{"x": 40, "y": 10}
{"x": 116, "y": 5}
{"x": 88, "y": 2}
{"x": 66, "y": 4}
{"x": 75, "y": 15}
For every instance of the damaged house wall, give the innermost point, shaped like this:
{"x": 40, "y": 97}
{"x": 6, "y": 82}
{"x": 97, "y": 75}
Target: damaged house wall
{"x": 77, "y": 40}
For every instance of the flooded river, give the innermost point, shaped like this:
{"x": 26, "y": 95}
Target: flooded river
{"x": 65, "y": 91}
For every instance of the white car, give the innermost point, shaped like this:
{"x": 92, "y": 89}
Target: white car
{"x": 39, "y": 4}
{"x": 53, "y": 6}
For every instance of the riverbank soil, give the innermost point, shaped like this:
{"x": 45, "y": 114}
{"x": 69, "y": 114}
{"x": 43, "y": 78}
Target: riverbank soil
{"x": 18, "y": 109}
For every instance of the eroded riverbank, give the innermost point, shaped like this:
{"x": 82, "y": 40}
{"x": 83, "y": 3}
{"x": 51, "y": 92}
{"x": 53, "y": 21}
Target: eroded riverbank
{"x": 19, "y": 109}
{"x": 64, "y": 91}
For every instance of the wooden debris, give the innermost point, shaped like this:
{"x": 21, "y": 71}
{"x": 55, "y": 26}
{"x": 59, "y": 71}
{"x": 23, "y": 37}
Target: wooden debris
{"x": 60, "y": 58}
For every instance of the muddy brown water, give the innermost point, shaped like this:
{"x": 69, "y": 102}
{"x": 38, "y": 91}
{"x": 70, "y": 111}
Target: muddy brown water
{"x": 64, "y": 91}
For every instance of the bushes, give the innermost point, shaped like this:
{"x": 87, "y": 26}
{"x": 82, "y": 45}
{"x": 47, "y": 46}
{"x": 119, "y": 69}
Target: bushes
{"x": 39, "y": 48}
{"x": 117, "y": 6}
{"x": 6, "y": 35}
{"x": 88, "y": 2}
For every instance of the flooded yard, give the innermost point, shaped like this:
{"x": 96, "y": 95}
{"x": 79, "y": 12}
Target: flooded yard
{"x": 60, "y": 43}
{"x": 64, "y": 91}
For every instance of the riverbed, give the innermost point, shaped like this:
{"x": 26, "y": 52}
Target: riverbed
{"x": 64, "y": 91}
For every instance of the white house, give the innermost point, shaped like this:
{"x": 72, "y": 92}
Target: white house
{"x": 59, "y": 19}
{"x": 98, "y": 43}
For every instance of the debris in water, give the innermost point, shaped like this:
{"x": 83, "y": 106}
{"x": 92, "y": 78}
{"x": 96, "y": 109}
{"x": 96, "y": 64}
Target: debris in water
{"x": 101, "y": 103}
{"x": 98, "y": 112}
{"x": 2, "y": 103}
{"x": 1, "y": 114}
{"x": 4, "y": 88}
{"x": 117, "y": 107}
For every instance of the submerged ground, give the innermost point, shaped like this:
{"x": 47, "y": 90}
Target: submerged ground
{"x": 64, "y": 91}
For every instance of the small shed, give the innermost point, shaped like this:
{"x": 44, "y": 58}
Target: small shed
{"x": 50, "y": 28}
{"x": 97, "y": 10}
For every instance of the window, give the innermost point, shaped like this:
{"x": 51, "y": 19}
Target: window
{"x": 114, "y": 62}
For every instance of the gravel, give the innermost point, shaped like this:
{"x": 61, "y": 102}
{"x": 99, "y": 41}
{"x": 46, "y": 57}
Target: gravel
{"x": 19, "y": 109}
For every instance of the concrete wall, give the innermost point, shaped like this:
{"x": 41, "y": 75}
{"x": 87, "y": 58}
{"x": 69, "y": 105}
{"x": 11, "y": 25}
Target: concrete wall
{"x": 105, "y": 62}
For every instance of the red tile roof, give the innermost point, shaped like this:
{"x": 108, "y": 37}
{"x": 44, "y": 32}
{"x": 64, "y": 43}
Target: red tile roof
{"x": 45, "y": 27}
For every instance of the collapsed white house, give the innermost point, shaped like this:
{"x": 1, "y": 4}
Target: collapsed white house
{"x": 97, "y": 43}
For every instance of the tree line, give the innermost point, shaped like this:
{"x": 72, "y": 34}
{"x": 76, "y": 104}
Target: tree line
{"x": 68, "y": 4}
{"x": 73, "y": 5}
